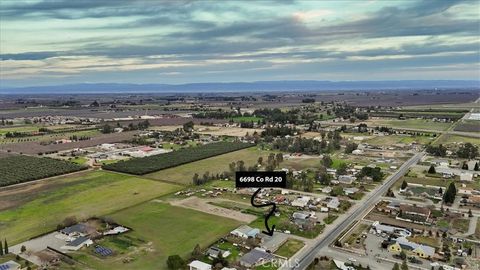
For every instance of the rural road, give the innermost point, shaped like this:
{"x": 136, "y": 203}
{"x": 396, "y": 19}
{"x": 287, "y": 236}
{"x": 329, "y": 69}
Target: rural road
{"x": 304, "y": 258}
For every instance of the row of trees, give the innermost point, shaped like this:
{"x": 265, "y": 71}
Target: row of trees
{"x": 467, "y": 150}
{"x": 158, "y": 162}
{"x": 307, "y": 145}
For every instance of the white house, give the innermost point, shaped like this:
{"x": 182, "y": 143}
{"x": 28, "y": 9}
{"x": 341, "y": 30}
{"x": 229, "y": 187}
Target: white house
{"x": 346, "y": 179}
{"x": 78, "y": 243}
{"x": 301, "y": 201}
{"x": 198, "y": 265}
{"x": 334, "y": 203}
{"x": 465, "y": 176}
{"x": 245, "y": 231}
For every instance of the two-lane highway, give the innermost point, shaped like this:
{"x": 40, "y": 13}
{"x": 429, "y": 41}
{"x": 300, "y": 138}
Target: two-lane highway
{"x": 306, "y": 256}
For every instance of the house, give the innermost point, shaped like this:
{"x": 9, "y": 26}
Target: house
{"x": 333, "y": 203}
{"x": 402, "y": 244}
{"x": 414, "y": 213}
{"x": 198, "y": 265}
{"x": 116, "y": 230}
{"x": 341, "y": 265}
{"x": 301, "y": 215}
{"x": 255, "y": 257}
{"x": 245, "y": 231}
{"x": 301, "y": 201}
{"x": 10, "y": 265}
{"x": 357, "y": 152}
{"x": 465, "y": 176}
{"x": 76, "y": 230}
{"x": 346, "y": 179}
{"x": 326, "y": 190}
{"x": 78, "y": 243}
{"x": 213, "y": 252}
{"x": 331, "y": 171}
{"x": 350, "y": 191}
{"x": 304, "y": 219}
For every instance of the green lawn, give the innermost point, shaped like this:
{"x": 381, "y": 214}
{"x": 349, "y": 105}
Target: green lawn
{"x": 161, "y": 230}
{"x": 183, "y": 174}
{"x": 83, "y": 196}
{"x": 79, "y": 160}
{"x": 290, "y": 247}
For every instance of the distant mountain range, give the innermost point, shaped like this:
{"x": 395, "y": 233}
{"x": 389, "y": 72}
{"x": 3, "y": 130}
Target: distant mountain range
{"x": 260, "y": 86}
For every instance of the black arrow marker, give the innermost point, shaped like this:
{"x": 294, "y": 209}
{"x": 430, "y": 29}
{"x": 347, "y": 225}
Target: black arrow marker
{"x": 269, "y": 231}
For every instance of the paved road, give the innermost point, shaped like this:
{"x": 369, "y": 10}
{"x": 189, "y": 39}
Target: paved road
{"x": 302, "y": 259}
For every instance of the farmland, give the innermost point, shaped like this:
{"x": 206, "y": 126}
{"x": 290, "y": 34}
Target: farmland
{"x": 183, "y": 174}
{"x": 175, "y": 158}
{"x": 410, "y": 123}
{"x": 35, "y": 147}
{"x": 399, "y": 139}
{"x": 18, "y": 169}
{"x": 456, "y": 139}
{"x": 24, "y": 213}
{"x": 170, "y": 230}
{"x": 468, "y": 126}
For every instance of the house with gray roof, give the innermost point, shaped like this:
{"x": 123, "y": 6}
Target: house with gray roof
{"x": 255, "y": 257}
{"x": 79, "y": 229}
{"x": 245, "y": 231}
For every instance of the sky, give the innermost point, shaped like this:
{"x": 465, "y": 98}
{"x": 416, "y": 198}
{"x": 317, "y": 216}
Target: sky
{"x": 175, "y": 42}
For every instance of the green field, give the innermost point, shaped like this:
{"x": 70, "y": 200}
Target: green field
{"x": 52, "y": 137}
{"x": 79, "y": 160}
{"x": 410, "y": 123}
{"x": 166, "y": 230}
{"x": 290, "y": 247}
{"x": 83, "y": 196}
{"x": 246, "y": 119}
{"x": 455, "y": 139}
{"x": 399, "y": 139}
{"x": 183, "y": 174}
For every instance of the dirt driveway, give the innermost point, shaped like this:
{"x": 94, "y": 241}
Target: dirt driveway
{"x": 204, "y": 206}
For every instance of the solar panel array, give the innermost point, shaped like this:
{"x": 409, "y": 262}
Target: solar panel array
{"x": 4, "y": 267}
{"x": 102, "y": 251}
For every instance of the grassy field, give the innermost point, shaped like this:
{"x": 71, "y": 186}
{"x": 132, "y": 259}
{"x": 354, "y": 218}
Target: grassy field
{"x": 455, "y": 139}
{"x": 410, "y": 123}
{"x": 300, "y": 163}
{"x": 183, "y": 174}
{"x": 79, "y": 160}
{"x": 52, "y": 137}
{"x": 290, "y": 247}
{"x": 37, "y": 211}
{"x": 246, "y": 119}
{"x": 399, "y": 139}
{"x": 161, "y": 230}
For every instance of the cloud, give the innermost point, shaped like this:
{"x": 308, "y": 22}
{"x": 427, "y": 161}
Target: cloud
{"x": 188, "y": 38}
